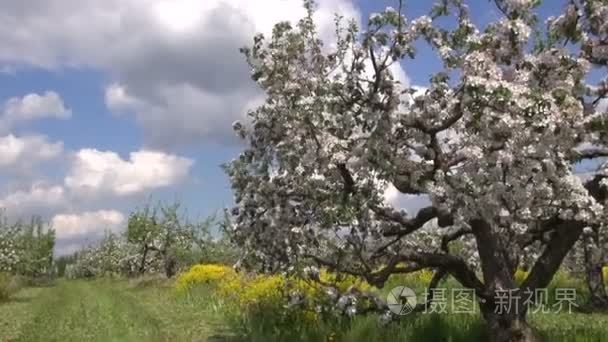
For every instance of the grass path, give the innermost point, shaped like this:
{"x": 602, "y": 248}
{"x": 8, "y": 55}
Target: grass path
{"x": 104, "y": 311}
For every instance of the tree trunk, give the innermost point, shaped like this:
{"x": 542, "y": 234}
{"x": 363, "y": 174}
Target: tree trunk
{"x": 170, "y": 262}
{"x": 509, "y": 328}
{"x": 598, "y": 298}
{"x": 142, "y": 265}
{"x": 505, "y": 324}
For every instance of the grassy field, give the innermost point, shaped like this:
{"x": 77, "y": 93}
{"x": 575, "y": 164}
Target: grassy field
{"x": 105, "y": 311}
{"x": 111, "y": 310}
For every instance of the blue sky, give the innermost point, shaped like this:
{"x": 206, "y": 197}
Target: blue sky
{"x": 112, "y": 103}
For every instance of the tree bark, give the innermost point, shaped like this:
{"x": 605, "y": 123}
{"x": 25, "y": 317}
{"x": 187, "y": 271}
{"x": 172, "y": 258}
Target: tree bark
{"x": 598, "y": 298}
{"x": 508, "y": 327}
{"x": 565, "y": 236}
{"x": 142, "y": 265}
{"x": 504, "y": 324}
{"x": 170, "y": 264}
{"x": 496, "y": 268}
{"x": 170, "y": 267}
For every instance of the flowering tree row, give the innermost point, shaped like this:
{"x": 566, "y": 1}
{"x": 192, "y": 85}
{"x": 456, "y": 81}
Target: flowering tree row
{"x": 26, "y": 248}
{"x": 156, "y": 240}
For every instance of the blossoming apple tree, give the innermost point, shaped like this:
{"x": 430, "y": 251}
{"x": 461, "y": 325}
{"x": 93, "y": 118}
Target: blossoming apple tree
{"x": 492, "y": 142}
{"x": 111, "y": 256}
{"x": 26, "y": 248}
{"x": 584, "y": 24}
{"x": 10, "y": 256}
{"x": 160, "y": 234}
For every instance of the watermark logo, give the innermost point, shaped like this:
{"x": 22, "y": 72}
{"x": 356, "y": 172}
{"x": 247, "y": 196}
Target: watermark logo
{"x": 401, "y": 300}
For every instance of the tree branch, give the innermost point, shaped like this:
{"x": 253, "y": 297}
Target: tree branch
{"x": 349, "y": 182}
{"x": 591, "y": 153}
{"x": 566, "y": 235}
{"x": 453, "y": 265}
{"x": 430, "y": 293}
{"x": 455, "y": 235}
{"x": 409, "y": 226}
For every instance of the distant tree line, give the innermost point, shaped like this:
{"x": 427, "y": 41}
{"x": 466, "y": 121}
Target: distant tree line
{"x": 157, "y": 240}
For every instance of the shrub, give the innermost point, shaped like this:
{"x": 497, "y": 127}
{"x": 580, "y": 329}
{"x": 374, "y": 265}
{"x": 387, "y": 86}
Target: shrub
{"x": 251, "y": 287}
{"x": 605, "y": 269}
{"x": 342, "y": 281}
{"x": 277, "y": 305}
{"x": 249, "y": 291}
{"x": 258, "y": 304}
{"x": 203, "y": 274}
{"x": 257, "y": 294}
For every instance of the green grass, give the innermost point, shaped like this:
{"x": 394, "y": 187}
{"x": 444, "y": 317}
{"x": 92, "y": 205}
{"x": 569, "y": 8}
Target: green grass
{"x": 104, "y": 311}
{"x": 150, "y": 310}
{"x": 9, "y": 285}
{"x": 431, "y": 327}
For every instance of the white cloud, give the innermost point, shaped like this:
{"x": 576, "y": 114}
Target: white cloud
{"x": 94, "y": 171}
{"x": 395, "y": 69}
{"x": 410, "y": 203}
{"x": 86, "y": 223}
{"x": 117, "y": 99}
{"x": 33, "y": 107}
{"x": 390, "y": 194}
{"x": 20, "y": 153}
{"x": 75, "y": 229}
{"x": 95, "y": 180}
{"x": 174, "y": 63}
{"x": 39, "y": 199}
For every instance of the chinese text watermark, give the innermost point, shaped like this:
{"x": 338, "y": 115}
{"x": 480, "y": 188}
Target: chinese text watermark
{"x": 402, "y": 300}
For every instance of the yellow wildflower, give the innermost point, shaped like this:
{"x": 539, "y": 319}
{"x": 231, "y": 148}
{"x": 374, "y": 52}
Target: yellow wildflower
{"x": 204, "y": 274}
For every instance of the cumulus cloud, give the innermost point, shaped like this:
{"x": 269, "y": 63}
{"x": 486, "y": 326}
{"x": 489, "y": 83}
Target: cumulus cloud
{"x": 94, "y": 180}
{"x": 40, "y": 198}
{"x": 33, "y": 107}
{"x": 410, "y": 203}
{"x": 94, "y": 172}
{"x": 74, "y": 229}
{"x": 21, "y": 153}
{"x": 96, "y": 222}
{"x": 174, "y": 64}
{"x": 117, "y": 99}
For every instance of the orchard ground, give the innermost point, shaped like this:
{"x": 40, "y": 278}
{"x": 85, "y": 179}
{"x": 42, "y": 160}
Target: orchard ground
{"x": 151, "y": 309}
{"x": 104, "y": 310}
